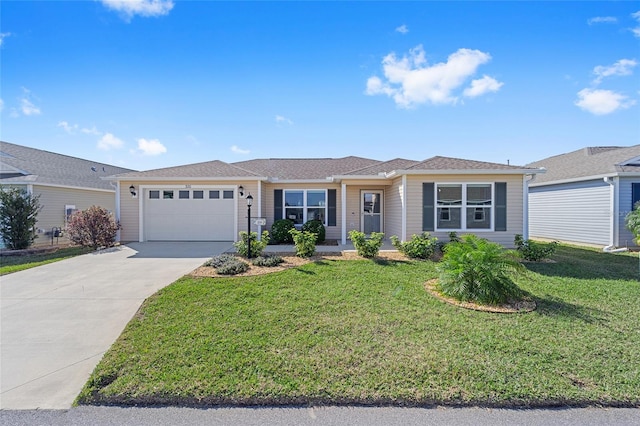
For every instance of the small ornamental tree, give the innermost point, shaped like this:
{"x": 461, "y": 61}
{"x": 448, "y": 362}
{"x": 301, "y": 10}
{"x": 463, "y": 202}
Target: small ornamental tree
{"x": 18, "y": 216}
{"x": 632, "y": 221}
{"x": 94, "y": 227}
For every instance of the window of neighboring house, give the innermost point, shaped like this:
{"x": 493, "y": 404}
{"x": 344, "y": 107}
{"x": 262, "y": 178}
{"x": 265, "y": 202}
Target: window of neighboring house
{"x": 198, "y": 195}
{"x": 213, "y": 195}
{"x": 154, "y": 195}
{"x": 69, "y": 210}
{"x": 301, "y": 206}
{"x": 464, "y": 206}
{"x": 183, "y": 195}
{"x": 167, "y": 195}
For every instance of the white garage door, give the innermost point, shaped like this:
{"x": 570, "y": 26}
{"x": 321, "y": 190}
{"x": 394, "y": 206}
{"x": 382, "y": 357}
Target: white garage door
{"x": 189, "y": 214}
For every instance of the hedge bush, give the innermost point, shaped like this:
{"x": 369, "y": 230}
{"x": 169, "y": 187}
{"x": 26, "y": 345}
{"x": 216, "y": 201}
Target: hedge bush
{"x": 280, "y": 231}
{"x": 315, "y": 227}
{"x": 366, "y": 247}
{"x": 421, "y": 246}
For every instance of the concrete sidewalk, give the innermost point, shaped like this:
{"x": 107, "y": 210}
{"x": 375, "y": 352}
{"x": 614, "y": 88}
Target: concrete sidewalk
{"x": 57, "y": 320}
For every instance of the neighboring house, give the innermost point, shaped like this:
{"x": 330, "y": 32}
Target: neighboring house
{"x": 585, "y": 195}
{"x": 207, "y": 201}
{"x": 63, "y": 183}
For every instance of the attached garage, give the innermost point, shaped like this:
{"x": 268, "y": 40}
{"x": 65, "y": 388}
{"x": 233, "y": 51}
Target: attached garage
{"x": 189, "y": 214}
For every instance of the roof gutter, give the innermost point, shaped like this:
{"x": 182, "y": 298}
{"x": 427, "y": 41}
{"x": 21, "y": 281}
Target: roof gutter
{"x": 117, "y": 178}
{"x": 583, "y": 178}
{"x": 467, "y": 172}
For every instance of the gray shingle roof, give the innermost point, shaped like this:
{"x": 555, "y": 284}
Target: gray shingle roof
{"x": 586, "y": 162}
{"x": 19, "y": 164}
{"x": 305, "y": 168}
{"x": 208, "y": 169}
{"x": 384, "y": 167}
{"x": 448, "y": 163}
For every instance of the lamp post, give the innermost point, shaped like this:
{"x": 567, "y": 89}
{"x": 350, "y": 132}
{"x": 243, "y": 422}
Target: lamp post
{"x": 249, "y": 202}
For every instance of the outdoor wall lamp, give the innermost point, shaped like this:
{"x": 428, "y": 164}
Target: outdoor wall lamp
{"x": 241, "y": 190}
{"x": 132, "y": 190}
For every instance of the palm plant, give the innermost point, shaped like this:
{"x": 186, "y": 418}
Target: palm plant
{"x": 475, "y": 269}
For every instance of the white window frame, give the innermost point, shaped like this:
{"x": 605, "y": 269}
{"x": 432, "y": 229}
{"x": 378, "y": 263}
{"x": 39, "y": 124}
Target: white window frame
{"x": 304, "y": 205}
{"x": 464, "y": 207}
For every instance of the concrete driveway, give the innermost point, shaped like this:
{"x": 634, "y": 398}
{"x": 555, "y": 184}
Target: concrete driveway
{"x": 58, "y": 320}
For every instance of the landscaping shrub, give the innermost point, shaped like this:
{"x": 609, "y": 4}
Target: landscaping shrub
{"x": 419, "y": 247}
{"x": 534, "y": 251}
{"x": 632, "y": 221}
{"x": 232, "y": 267}
{"x": 257, "y": 246}
{"x": 305, "y": 242}
{"x": 478, "y": 270}
{"x": 280, "y": 231}
{"x": 18, "y": 216}
{"x": 316, "y": 227}
{"x": 366, "y": 247}
{"x": 268, "y": 261}
{"x": 221, "y": 259}
{"x": 94, "y": 227}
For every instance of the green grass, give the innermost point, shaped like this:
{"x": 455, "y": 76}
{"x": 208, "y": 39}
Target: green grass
{"x": 9, "y": 264}
{"x": 361, "y": 332}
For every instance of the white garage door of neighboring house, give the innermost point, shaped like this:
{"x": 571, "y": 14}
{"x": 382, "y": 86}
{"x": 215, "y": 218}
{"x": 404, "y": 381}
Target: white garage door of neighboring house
{"x": 201, "y": 214}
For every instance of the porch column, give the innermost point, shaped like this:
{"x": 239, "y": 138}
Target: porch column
{"x": 343, "y": 212}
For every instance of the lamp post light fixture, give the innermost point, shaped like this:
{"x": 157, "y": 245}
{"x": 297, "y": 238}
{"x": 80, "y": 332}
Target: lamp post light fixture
{"x": 249, "y": 202}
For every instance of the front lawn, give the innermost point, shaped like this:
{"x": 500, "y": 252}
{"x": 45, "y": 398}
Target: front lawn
{"x": 9, "y": 264}
{"x": 366, "y": 332}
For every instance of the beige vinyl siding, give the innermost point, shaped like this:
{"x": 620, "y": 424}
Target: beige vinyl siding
{"x": 53, "y": 201}
{"x": 514, "y": 205}
{"x": 332, "y": 232}
{"x": 393, "y": 210}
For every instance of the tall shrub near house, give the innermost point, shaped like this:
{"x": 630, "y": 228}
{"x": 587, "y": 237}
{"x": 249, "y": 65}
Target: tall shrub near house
{"x": 94, "y": 227}
{"x": 632, "y": 221}
{"x": 18, "y": 216}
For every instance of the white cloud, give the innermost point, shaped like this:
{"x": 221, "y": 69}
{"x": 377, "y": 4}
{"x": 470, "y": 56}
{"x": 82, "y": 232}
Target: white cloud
{"x": 636, "y": 30}
{"x": 481, "y": 86}
{"x": 109, "y": 142}
{"x": 622, "y": 67}
{"x": 3, "y": 36}
{"x": 602, "y": 102}
{"x": 238, "y": 150}
{"x": 27, "y": 107}
{"x": 91, "y": 131}
{"x": 68, "y": 127}
{"x": 146, "y": 8}
{"x": 410, "y": 81}
{"x": 151, "y": 147}
{"x": 281, "y": 119}
{"x": 402, "y": 29}
{"x": 602, "y": 20}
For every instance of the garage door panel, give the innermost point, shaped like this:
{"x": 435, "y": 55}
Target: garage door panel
{"x": 189, "y": 219}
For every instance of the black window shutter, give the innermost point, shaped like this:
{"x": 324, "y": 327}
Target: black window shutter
{"x": 635, "y": 194}
{"x": 428, "y": 206}
{"x": 277, "y": 204}
{"x": 501, "y": 206}
{"x": 331, "y": 206}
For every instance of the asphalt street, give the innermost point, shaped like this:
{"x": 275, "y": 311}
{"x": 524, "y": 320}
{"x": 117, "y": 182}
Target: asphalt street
{"x": 302, "y": 416}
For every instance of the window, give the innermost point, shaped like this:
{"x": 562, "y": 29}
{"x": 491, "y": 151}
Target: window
{"x": 227, "y": 195}
{"x": 301, "y": 206}
{"x": 69, "y": 210}
{"x": 198, "y": 195}
{"x": 214, "y": 195}
{"x": 183, "y": 195}
{"x": 154, "y": 195}
{"x": 464, "y": 206}
{"x": 167, "y": 195}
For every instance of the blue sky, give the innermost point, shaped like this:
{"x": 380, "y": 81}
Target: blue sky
{"x": 154, "y": 83}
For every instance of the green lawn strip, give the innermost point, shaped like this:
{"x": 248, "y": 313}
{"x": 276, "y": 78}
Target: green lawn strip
{"x": 360, "y": 332}
{"x": 9, "y": 264}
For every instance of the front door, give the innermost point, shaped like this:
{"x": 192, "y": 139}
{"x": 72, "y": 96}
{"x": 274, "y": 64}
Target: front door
{"x": 371, "y": 212}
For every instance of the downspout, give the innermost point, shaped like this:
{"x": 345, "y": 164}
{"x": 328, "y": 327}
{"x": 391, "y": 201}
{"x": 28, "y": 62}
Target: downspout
{"x": 525, "y": 204}
{"x": 612, "y": 221}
